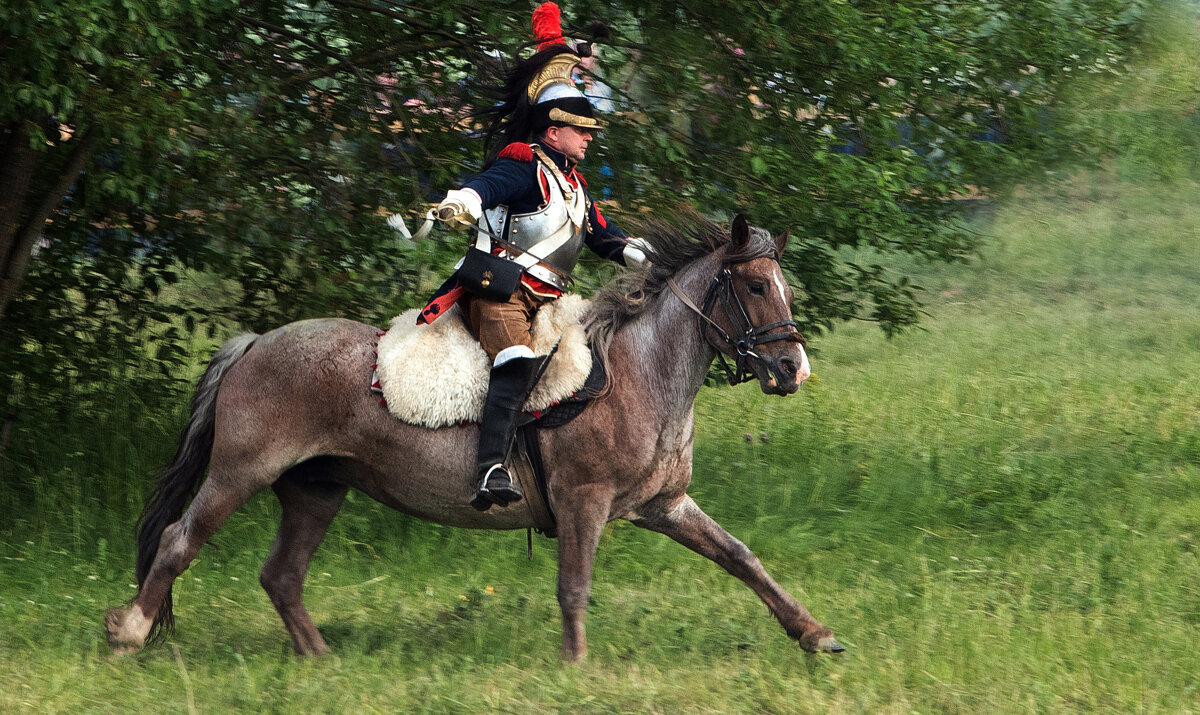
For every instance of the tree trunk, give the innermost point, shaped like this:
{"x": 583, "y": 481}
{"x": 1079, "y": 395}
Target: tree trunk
{"x": 17, "y": 164}
{"x": 17, "y": 238}
{"x": 10, "y": 418}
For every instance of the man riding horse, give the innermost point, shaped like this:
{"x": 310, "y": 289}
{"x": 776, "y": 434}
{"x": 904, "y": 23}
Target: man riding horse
{"x": 288, "y": 411}
{"x": 533, "y": 214}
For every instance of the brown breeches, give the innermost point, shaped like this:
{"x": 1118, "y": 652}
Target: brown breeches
{"x": 499, "y": 325}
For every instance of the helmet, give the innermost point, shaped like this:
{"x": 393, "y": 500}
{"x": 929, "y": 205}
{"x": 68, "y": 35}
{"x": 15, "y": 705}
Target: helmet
{"x": 539, "y": 92}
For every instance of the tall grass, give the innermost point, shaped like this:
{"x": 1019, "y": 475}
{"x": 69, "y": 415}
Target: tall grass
{"x": 998, "y": 512}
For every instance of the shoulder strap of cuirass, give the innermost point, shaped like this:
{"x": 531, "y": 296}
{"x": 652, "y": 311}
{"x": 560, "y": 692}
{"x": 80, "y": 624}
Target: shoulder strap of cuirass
{"x": 547, "y": 162}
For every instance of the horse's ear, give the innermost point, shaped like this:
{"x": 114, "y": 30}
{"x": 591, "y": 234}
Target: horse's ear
{"x": 782, "y": 239}
{"x": 741, "y": 232}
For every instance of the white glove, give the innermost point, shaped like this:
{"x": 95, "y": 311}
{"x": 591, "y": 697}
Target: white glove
{"x": 636, "y": 250}
{"x": 460, "y": 209}
{"x": 396, "y": 221}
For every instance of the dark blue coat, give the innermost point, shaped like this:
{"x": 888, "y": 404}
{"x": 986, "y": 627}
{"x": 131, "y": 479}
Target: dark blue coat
{"x": 512, "y": 180}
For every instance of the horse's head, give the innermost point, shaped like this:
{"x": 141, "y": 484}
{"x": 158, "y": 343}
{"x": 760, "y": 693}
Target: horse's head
{"x": 749, "y": 306}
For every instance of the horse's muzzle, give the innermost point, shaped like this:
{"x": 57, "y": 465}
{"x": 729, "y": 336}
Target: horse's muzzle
{"x": 786, "y": 374}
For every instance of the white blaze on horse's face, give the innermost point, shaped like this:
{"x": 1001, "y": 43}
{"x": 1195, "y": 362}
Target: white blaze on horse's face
{"x": 777, "y": 276}
{"x": 805, "y": 370}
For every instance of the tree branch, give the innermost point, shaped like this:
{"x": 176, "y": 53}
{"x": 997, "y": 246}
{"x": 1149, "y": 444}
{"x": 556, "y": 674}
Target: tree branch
{"x": 284, "y": 32}
{"x": 18, "y": 262}
{"x": 18, "y": 160}
{"x": 424, "y": 27}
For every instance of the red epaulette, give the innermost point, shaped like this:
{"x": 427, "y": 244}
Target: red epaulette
{"x": 517, "y": 151}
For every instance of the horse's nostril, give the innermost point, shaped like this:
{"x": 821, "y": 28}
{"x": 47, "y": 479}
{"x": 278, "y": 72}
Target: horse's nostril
{"x": 789, "y": 366}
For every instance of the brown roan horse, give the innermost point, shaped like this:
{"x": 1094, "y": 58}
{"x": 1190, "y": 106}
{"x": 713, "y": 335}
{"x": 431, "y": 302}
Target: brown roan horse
{"x": 290, "y": 410}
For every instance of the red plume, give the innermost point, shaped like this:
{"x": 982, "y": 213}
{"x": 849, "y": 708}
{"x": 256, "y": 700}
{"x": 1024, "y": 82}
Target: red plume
{"x": 547, "y": 25}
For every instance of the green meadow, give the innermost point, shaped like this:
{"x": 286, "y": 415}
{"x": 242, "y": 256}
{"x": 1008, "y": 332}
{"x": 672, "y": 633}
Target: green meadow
{"x": 998, "y": 512}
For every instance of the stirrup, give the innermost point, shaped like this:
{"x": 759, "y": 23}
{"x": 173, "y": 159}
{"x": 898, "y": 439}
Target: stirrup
{"x": 502, "y": 490}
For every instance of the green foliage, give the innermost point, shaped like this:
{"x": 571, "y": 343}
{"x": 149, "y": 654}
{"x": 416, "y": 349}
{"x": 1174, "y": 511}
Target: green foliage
{"x": 263, "y": 142}
{"x": 745, "y": 107}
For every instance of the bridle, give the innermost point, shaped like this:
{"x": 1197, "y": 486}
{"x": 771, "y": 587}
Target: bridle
{"x": 748, "y": 336}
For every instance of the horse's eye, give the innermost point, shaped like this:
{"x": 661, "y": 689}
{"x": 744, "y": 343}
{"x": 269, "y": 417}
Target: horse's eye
{"x": 756, "y": 288}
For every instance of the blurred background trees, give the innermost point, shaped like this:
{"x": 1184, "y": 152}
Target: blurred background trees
{"x": 175, "y": 170}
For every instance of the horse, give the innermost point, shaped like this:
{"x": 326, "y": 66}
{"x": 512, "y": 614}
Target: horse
{"x": 290, "y": 410}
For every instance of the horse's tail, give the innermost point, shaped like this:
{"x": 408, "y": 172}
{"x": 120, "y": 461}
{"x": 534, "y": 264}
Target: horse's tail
{"x": 181, "y": 479}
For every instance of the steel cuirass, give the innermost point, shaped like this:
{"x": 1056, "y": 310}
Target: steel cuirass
{"x": 551, "y": 235}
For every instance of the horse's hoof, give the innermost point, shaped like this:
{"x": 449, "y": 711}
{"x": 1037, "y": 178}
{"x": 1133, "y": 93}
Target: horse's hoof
{"x": 829, "y": 644}
{"x": 124, "y": 650}
{"x": 113, "y": 617}
{"x": 114, "y": 622}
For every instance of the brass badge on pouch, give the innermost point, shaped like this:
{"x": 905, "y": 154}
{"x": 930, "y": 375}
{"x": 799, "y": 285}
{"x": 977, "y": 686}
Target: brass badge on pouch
{"x": 487, "y": 279}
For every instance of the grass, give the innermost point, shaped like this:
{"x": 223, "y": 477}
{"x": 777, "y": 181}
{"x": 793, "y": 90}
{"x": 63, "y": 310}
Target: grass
{"x": 999, "y": 512}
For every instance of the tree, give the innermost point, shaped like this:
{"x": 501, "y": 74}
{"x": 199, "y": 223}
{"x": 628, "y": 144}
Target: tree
{"x": 260, "y": 142}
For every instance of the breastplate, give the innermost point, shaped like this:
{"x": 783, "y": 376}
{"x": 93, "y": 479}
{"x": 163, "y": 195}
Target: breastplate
{"x": 552, "y": 235}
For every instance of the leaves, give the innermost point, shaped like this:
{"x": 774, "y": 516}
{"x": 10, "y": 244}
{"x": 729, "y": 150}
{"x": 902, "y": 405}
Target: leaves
{"x": 256, "y": 147}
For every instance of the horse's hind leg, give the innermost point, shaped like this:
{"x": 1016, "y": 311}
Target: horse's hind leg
{"x": 308, "y": 509}
{"x": 684, "y": 521}
{"x": 128, "y": 628}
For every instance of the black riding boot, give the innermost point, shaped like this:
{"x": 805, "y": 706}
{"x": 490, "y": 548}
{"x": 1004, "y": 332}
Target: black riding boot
{"x": 508, "y": 388}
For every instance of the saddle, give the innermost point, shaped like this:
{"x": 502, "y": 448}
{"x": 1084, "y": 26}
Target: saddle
{"x": 436, "y": 375}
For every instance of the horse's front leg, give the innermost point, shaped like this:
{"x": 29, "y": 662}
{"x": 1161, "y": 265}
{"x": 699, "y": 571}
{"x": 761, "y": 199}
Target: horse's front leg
{"x": 682, "y": 520}
{"x": 581, "y": 517}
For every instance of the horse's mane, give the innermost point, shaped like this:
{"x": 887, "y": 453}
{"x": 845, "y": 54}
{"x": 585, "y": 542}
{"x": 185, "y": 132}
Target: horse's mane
{"x": 675, "y": 242}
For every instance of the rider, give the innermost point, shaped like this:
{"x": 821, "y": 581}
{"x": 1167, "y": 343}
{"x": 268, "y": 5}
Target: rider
{"x": 532, "y": 196}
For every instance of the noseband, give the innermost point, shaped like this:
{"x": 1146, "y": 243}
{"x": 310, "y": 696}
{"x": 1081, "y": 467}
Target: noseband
{"x": 749, "y": 335}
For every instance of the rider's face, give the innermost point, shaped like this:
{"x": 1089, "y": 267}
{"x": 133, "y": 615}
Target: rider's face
{"x": 571, "y": 141}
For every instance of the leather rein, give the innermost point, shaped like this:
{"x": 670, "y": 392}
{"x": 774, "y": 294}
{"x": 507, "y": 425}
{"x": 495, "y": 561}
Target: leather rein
{"x": 748, "y": 337}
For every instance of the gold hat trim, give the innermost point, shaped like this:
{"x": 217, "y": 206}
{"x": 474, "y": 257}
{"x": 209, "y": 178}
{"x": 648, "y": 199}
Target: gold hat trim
{"x": 557, "y": 71}
{"x": 558, "y": 115}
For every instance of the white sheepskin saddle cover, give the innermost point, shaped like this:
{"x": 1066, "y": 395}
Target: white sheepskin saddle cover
{"x": 437, "y": 375}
